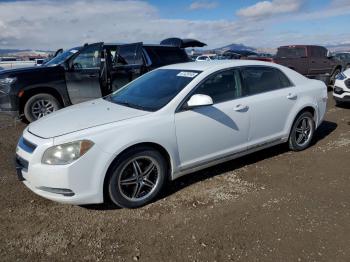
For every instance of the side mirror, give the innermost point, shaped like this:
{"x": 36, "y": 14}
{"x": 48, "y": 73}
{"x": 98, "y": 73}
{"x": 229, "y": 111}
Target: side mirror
{"x": 329, "y": 54}
{"x": 199, "y": 100}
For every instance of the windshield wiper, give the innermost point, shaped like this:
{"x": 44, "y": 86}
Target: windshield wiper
{"x": 125, "y": 103}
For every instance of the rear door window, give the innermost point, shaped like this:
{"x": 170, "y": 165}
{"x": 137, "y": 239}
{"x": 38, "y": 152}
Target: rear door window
{"x": 263, "y": 79}
{"x": 318, "y": 52}
{"x": 128, "y": 55}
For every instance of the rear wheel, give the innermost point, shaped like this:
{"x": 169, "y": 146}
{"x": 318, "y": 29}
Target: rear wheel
{"x": 302, "y": 132}
{"x": 40, "y": 105}
{"x": 137, "y": 178}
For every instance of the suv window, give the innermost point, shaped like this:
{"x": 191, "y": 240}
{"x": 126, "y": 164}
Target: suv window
{"x": 291, "y": 52}
{"x": 89, "y": 58}
{"x": 164, "y": 55}
{"x": 127, "y": 55}
{"x": 222, "y": 86}
{"x": 318, "y": 51}
{"x": 263, "y": 79}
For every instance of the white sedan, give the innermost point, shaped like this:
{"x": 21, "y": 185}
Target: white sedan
{"x": 170, "y": 122}
{"x": 341, "y": 90}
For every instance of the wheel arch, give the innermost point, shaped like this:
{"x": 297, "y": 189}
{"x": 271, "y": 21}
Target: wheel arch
{"x": 307, "y": 108}
{"x": 39, "y": 90}
{"x": 152, "y": 145}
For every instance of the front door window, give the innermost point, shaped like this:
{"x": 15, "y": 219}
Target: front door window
{"x": 89, "y": 58}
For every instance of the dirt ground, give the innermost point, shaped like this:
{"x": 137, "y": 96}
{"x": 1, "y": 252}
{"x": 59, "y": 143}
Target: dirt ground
{"x": 274, "y": 205}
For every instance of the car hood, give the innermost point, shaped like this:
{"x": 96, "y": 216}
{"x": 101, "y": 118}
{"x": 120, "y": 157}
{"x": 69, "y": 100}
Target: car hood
{"x": 82, "y": 116}
{"x": 28, "y": 70}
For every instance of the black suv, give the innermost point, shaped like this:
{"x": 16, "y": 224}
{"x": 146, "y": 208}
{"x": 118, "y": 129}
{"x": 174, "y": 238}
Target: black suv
{"x": 80, "y": 74}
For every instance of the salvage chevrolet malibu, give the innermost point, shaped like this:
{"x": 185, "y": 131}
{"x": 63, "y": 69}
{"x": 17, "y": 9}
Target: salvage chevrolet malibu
{"x": 170, "y": 122}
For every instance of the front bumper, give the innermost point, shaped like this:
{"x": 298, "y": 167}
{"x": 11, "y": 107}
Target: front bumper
{"x": 78, "y": 183}
{"x": 341, "y": 93}
{"x": 6, "y": 105}
{"x": 343, "y": 99}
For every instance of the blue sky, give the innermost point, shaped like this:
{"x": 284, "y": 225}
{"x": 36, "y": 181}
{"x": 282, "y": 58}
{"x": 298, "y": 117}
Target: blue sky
{"x": 49, "y": 24}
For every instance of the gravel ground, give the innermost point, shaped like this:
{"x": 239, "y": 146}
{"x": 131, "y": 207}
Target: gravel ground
{"x": 274, "y": 205}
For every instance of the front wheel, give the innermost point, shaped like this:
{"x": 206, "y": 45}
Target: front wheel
{"x": 137, "y": 178}
{"x": 40, "y": 105}
{"x": 302, "y": 132}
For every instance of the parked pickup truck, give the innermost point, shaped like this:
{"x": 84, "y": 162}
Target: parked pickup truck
{"x": 310, "y": 60}
{"x": 79, "y": 74}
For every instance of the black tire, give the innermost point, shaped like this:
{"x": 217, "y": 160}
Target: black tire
{"x": 123, "y": 171}
{"x": 48, "y": 102}
{"x": 296, "y": 133}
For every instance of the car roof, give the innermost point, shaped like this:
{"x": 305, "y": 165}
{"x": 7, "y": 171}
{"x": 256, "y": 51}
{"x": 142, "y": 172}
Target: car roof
{"x": 291, "y": 46}
{"x": 144, "y": 45}
{"x": 217, "y": 65}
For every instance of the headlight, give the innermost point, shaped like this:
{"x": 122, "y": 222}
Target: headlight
{"x": 66, "y": 153}
{"x": 5, "y": 83}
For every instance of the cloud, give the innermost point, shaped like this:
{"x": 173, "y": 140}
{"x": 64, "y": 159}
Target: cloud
{"x": 197, "y": 5}
{"x": 49, "y": 24}
{"x": 264, "y": 9}
{"x": 52, "y": 24}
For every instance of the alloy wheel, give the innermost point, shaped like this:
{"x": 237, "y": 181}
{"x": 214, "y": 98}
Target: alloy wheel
{"x": 303, "y": 131}
{"x": 42, "y": 108}
{"x": 139, "y": 178}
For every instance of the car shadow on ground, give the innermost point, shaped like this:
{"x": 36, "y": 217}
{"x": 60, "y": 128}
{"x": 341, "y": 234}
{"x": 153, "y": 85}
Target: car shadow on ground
{"x": 324, "y": 130}
{"x": 343, "y": 105}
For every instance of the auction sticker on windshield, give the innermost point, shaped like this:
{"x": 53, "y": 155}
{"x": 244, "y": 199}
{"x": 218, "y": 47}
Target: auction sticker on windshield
{"x": 187, "y": 74}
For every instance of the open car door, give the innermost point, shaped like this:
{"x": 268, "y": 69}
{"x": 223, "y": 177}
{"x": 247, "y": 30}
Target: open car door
{"x": 83, "y": 74}
{"x": 126, "y": 64}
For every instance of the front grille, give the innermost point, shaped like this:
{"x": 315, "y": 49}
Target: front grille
{"x": 26, "y": 145}
{"x": 61, "y": 191}
{"x": 338, "y": 90}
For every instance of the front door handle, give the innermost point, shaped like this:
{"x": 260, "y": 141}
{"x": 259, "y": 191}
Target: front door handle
{"x": 292, "y": 96}
{"x": 91, "y": 75}
{"x": 240, "y": 107}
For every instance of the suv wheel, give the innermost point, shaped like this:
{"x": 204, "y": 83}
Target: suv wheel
{"x": 302, "y": 132}
{"x": 137, "y": 178}
{"x": 40, "y": 105}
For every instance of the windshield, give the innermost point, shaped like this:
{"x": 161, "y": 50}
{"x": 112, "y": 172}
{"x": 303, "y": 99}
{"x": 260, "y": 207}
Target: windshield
{"x": 153, "y": 90}
{"x": 62, "y": 57}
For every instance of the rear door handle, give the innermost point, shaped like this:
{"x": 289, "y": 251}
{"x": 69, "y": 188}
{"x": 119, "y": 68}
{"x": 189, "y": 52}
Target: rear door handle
{"x": 292, "y": 96}
{"x": 240, "y": 107}
{"x": 91, "y": 75}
